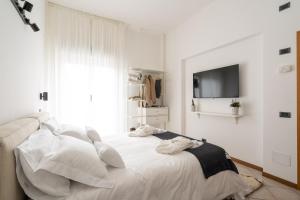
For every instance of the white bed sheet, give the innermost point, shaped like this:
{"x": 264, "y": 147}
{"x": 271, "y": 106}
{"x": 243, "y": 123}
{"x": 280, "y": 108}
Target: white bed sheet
{"x": 153, "y": 176}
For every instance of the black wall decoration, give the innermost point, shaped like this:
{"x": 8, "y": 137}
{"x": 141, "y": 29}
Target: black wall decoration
{"x": 21, "y": 10}
{"x": 285, "y": 51}
{"x": 284, "y": 6}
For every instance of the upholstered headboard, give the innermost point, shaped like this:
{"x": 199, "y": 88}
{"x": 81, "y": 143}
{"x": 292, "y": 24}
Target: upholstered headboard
{"x": 11, "y": 135}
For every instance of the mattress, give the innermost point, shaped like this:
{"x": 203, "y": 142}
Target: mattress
{"x": 153, "y": 176}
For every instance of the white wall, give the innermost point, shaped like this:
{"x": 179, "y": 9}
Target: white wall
{"x": 238, "y": 139}
{"x": 21, "y": 61}
{"x": 144, "y": 49}
{"x": 223, "y": 23}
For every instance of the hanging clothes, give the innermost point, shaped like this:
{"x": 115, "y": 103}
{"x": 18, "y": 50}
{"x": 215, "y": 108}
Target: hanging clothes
{"x": 158, "y": 88}
{"x": 147, "y": 92}
{"x": 152, "y": 90}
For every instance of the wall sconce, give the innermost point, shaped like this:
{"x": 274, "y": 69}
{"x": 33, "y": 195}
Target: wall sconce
{"x": 44, "y": 96}
{"x": 26, "y": 7}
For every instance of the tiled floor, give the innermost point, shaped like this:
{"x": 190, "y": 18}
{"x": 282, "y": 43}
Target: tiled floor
{"x": 271, "y": 190}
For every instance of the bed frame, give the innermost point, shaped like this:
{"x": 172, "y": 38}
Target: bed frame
{"x": 11, "y": 135}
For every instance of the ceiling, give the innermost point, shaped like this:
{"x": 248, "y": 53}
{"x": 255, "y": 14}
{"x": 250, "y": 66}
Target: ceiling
{"x": 151, "y": 15}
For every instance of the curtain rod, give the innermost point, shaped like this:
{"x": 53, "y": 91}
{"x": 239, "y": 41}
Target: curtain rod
{"x": 86, "y": 13}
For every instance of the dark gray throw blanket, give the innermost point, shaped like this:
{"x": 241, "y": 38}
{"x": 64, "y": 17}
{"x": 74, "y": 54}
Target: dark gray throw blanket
{"x": 212, "y": 158}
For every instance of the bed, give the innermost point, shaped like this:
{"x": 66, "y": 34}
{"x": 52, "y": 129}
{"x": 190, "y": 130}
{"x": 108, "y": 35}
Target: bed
{"x": 148, "y": 175}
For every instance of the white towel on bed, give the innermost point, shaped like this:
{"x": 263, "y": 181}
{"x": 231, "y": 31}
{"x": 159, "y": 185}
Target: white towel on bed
{"x": 145, "y": 130}
{"x": 174, "y": 145}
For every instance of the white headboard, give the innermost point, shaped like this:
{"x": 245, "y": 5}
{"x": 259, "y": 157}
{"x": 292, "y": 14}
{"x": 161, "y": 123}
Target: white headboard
{"x": 11, "y": 135}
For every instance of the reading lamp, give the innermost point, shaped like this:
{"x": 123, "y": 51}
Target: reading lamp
{"x": 27, "y": 6}
{"x": 44, "y": 96}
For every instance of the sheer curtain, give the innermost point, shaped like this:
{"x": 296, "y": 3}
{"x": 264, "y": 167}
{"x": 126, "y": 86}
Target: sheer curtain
{"x": 86, "y": 69}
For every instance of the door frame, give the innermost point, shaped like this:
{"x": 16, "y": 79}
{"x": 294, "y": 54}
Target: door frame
{"x": 298, "y": 109}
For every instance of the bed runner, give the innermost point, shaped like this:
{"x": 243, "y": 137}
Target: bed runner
{"x": 212, "y": 158}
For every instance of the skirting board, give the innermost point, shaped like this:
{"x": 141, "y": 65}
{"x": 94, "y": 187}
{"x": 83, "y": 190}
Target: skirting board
{"x": 280, "y": 180}
{"x": 258, "y": 168}
{"x": 265, "y": 174}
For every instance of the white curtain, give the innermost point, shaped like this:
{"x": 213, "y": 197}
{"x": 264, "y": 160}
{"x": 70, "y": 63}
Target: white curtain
{"x": 86, "y": 69}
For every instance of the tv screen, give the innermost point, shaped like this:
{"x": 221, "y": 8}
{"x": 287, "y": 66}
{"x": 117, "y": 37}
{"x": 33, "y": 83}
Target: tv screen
{"x": 217, "y": 83}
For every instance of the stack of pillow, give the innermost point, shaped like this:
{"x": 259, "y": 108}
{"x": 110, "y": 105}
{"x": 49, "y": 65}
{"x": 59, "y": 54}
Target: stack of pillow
{"x": 57, "y": 154}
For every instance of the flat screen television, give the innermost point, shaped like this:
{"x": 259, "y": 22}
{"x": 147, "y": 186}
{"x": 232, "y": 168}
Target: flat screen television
{"x": 217, "y": 83}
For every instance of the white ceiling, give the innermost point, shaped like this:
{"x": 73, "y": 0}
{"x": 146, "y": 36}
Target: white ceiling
{"x": 151, "y": 15}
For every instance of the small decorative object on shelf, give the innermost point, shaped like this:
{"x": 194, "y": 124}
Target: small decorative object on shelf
{"x": 235, "y": 107}
{"x": 132, "y": 129}
{"x": 193, "y": 108}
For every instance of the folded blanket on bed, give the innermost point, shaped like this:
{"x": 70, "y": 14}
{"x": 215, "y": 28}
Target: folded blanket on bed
{"x": 213, "y": 159}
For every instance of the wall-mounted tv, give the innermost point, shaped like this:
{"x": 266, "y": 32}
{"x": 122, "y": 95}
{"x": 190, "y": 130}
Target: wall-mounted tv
{"x": 217, "y": 83}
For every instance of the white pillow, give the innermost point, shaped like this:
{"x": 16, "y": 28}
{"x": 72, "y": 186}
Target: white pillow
{"x": 51, "y": 124}
{"x": 109, "y": 155}
{"x": 48, "y": 183}
{"x": 93, "y": 134}
{"x": 72, "y": 131}
{"x": 66, "y": 129}
{"x": 88, "y": 134}
{"x": 30, "y": 190}
{"x": 34, "y": 148}
{"x": 76, "y": 160}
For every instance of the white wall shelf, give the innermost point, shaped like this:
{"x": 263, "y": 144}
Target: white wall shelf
{"x": 148, "y": 71}
{"x": 236, "y": 117}
{"x": 135, "y": 84}
{"x": 136, "y": 100}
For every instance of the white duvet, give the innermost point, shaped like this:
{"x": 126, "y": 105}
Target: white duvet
{"x": 153, "y": 176}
